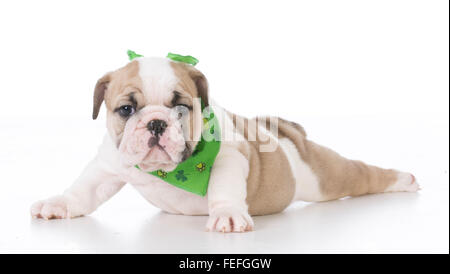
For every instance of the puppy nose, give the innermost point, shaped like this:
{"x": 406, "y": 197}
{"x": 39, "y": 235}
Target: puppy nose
{"x": 156, "y": 127}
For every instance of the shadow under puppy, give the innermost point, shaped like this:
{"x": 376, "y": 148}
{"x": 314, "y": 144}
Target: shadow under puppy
{"x": 155, "y": 122}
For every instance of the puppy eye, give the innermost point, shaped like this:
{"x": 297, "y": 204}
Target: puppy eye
{"x": 181, "y": 110}
{"x": 126, "y": 110}
{"x": 183, "y": 105}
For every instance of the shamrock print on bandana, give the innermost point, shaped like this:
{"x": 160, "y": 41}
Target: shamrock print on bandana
{"x": 180, "y": 176}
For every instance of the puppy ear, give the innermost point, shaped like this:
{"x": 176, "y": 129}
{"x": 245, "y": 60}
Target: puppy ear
{"x": 201, "y": 83}
{"x": 99, "y": 93}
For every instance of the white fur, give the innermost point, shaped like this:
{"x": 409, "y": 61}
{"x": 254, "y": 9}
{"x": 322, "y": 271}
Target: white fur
{"x": 307, "y": 186}
{"x": 104, "y": 177}
{"x": 227, "y": 189}
{"x": 158, "y": 79}
{"x": 227, "y": 192}
{"x": 405, "y": 182}
{"x": 98, "y": 182}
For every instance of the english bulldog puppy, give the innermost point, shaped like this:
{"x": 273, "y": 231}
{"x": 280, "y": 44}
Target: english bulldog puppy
{"x": 154, "y": 121}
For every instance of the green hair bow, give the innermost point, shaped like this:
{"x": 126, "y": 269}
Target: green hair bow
{"x": 173, "y": 56}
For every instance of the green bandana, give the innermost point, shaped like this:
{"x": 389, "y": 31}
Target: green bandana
{"x": 193, "y": 174}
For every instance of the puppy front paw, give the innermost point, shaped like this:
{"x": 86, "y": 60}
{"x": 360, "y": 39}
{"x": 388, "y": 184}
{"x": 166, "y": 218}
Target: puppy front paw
{"x": 52, "y": 208}
{"x": 229, "y": 219}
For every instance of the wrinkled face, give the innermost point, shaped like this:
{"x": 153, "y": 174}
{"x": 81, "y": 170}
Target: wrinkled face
{"x": 153, "y": 111}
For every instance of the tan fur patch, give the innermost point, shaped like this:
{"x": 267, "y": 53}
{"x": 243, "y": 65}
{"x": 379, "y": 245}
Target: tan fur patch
{"x": 123, "y": 81}
{"x": 193, "y": 83}
{"x": 191, "y": 80}
{"x": 114, "y": 88}
{"x": 338, "y": 177}
{"x": 270, "y": 183}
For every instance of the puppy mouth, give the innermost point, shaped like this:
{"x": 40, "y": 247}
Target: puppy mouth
{"x": 157, "y": 157}
{"x": 157, "y": 152}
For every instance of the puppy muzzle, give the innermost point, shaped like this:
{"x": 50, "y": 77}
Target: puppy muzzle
{"x": 153, "y": 139}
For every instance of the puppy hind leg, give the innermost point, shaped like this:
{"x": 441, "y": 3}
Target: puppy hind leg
{"x": 378, "y": 180}
{"x": 361, "y": 179}
{"x": 340, "y": 177}
{"x": 335, "y": 176}
{"x": 406, "y": 182}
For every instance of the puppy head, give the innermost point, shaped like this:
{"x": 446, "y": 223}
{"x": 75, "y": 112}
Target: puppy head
{"x": 153, "y": 111}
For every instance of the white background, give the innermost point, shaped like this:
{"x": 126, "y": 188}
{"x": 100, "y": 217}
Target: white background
{"x": 368, "y": 79}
